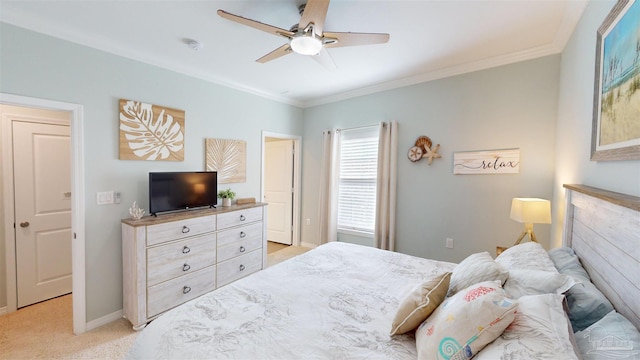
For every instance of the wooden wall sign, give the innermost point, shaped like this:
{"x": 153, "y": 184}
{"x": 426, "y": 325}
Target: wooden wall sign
{"x": 228, "y": 158}
{"x": 150, "y": 132}
{"x": 505, "y": 161}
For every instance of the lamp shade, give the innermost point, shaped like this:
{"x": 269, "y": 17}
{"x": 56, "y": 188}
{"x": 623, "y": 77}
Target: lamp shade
{"x": 531, "y": 210}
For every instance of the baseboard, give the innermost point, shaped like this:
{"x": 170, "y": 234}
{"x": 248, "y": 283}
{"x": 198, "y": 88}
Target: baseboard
{"x": 3, "y": 310}
{"x": 93, "y": 324}
{"x": 308, "y": 245}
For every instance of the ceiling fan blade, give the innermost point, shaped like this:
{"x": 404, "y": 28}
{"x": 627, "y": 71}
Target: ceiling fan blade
{"x": 353, "y": 39}
{"x": 324, "y": 59}
{"x": 315, "y": 11}
{"x": 256, "y": 24}
{"x": 281, "y": 51}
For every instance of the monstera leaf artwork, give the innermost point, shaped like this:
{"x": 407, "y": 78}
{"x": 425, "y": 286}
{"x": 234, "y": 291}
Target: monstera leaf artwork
{"x": 228, "y": 158}
{"x": 150, "y": 132}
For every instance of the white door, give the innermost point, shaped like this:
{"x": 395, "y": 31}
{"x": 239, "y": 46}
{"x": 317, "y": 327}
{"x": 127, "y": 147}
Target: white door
{"x": 42, "y": 185}
{"x": 278, "y": 189}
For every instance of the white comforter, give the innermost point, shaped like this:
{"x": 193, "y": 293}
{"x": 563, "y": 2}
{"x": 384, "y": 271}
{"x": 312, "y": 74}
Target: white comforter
{"x": 334, "y": 302}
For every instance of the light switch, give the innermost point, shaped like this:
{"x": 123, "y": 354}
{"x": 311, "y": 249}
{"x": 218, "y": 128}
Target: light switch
{"x": 104, "y": 197}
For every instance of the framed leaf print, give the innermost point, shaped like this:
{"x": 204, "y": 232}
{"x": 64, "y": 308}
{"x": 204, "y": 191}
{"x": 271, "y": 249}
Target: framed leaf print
{"x": 228, "y": 158}
{"x": 150, "y": 132}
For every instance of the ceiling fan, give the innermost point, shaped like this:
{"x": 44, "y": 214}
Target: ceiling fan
{"x": 308, "y": 36}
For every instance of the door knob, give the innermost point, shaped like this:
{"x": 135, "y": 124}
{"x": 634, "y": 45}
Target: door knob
{"x": 24, "y": 224}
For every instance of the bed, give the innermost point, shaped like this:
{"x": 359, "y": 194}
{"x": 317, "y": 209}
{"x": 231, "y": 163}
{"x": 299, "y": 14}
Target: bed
{"x": 343, "y": 301}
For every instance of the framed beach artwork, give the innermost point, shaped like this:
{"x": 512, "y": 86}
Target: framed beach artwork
{"x": 616, "y": 107}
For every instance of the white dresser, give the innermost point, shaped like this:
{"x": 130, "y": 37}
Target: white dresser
{"x": 173, "y": 258}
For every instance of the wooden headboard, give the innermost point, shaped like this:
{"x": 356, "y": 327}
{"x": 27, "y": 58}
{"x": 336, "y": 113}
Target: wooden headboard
{"x": 603, "y": 228}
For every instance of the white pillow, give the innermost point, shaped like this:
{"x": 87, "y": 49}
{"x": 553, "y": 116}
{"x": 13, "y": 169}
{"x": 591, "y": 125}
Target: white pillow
{"x": 464, "y": 323}
{"x": 420, "y": 303}
{"x": 474, "y": 269}
{"x": 529, "y": 255}
{"x": 535, "y": 282}
{"x": 540, "y": 331}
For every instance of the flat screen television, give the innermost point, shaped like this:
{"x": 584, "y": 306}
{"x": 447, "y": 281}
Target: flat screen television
{"x": 171, "y": 191}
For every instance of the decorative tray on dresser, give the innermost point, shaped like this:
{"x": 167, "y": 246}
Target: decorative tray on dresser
{"x": 173, "y": 258}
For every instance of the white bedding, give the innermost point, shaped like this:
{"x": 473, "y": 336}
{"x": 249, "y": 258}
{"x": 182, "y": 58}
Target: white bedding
{"x": 334, "y": 302}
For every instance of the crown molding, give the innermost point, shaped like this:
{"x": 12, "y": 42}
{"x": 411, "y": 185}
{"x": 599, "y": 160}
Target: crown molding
{"x": 571, "y": 18}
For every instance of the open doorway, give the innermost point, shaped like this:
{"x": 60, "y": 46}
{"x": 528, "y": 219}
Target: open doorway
{"x": 75, "y": 233}
{"x": 280, "y": 186}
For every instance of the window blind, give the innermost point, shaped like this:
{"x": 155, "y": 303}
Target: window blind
{"x": 357, "y": 182}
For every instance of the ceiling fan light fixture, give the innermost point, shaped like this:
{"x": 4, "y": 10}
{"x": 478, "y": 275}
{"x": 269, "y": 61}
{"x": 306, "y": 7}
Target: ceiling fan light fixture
{"x": 306, "y": 45}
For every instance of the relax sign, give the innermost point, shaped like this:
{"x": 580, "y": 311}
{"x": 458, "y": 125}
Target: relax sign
{"x": 505, "y": 161}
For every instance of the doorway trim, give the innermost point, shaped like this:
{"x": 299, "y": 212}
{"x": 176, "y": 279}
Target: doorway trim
{"x": 297, "y": 156}
{"x": 77, "y": 204}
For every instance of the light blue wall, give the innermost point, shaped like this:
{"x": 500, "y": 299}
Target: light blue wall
{"x": 39, "y": 66}
{"x": 510, "y": 106}
{"x": 541, "y": 106}
{"x": 575, "y": 118}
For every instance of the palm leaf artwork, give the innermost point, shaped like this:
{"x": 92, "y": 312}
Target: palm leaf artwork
{"x": 227, "y": 157}
{"x": 147, "y": 136}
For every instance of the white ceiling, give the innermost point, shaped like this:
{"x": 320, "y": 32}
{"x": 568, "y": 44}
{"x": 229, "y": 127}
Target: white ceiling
{"x": 429, "y": 39}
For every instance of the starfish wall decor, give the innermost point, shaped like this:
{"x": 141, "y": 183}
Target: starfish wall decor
{"x": 422, "y": 149}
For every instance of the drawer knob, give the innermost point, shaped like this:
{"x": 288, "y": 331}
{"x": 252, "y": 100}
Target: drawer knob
{"x": 186, "y": 267}
{"x": 242, "y": 218}
{"x": 242, "y": 267}
{"x": 186, "y": 250}
{"x": 242, "y": 234}
{"x": 242, "y": 249}
{"x": 185, "y": 229}
{"x": 186, "y": 289}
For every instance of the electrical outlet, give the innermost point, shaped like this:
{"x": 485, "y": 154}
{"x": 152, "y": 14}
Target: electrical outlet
{"x": 308, "y": 221}
{"x": 449, "y": 243}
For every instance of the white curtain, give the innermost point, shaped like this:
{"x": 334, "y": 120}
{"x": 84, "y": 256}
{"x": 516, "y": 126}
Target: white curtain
{"x": 329, "y": 168}
{"x": 385, "y": 230}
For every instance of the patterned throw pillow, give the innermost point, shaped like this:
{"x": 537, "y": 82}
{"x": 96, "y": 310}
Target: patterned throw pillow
{"x": 474, "y": 269}
{"x": 420, "y": 303}
{"x": 465, "y": 323}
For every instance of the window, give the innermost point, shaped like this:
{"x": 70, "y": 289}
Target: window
{"x": 357, "y": 182}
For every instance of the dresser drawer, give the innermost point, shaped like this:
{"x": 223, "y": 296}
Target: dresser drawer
{"x": 178, "y": 258}
{"x": 239, "y": 236}
{"x": 179, "y": 229}
{"x": 239, "y": 217}
{"x": 172, "y": 293}
{"x": 238, "y": 267}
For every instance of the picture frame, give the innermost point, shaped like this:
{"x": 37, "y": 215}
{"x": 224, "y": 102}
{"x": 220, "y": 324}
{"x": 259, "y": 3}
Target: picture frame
{"x": 615, "y": 133}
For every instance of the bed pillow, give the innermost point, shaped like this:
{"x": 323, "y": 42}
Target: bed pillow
{"x": 464, "y": 323}
{"x": 529, "y": 255}
{"x": 540, "y": 330}
{"x": 586, "y": 304}
{"x": 420, "y": 303}
{"x": 613, "y": 337}
{"x": 535, "y": 282}
{"x": 474, "y": 269}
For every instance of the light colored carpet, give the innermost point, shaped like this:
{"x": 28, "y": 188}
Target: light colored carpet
{"x": 44, "y": 330}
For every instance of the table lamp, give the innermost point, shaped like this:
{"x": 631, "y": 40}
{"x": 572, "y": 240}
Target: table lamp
{"x": 530, "y": 211}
